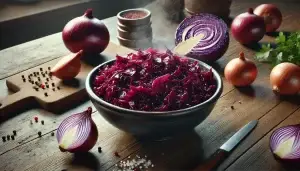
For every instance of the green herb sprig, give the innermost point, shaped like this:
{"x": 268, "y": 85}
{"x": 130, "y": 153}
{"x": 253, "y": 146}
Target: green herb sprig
{"x": 287, "y": 49}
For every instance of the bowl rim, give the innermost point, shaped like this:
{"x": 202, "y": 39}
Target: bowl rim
{"x": 119, "y": 15}
{"x": 179, "y": 112}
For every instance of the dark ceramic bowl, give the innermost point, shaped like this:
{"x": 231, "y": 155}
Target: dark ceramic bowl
{"x": 145, "y": 123}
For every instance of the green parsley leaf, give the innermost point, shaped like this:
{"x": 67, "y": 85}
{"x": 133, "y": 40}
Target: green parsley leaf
{"x": 287, "y": 50}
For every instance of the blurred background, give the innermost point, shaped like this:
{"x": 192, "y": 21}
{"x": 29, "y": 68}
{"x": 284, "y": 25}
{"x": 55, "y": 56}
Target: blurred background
{"x": 25, "y": 20}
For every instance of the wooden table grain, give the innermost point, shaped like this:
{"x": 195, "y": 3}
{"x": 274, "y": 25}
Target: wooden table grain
{"x": 182, "y": 152}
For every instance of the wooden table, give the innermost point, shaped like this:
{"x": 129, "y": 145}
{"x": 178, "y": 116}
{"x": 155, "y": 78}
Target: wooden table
{"x": 184, "y": 152}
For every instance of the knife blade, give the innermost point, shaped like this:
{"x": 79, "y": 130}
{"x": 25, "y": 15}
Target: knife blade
{"x": 221, "y": 154}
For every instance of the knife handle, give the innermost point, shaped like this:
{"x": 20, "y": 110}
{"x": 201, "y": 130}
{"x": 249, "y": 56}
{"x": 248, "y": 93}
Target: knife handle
{"x": 214, "y": 161}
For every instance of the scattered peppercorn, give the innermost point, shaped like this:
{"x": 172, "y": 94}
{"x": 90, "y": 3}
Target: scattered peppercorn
{"x": 8, "y": 137}
{"x": 40, "y": 134}
{"x": 39, "y": 78}
{"x": 240, "y": 102}
{"x": 36, "y": 119}
{"x": 14, "y": 132}
{"x": 52, "y": 134}
{"x": 46, "y": 72}
{"x": 42, "y": 122}
{"x": 43, "y": 75}
{"x": 23, "y": 76}
{"x": 37, "y": 73}
{"x": 24, "y": 80}
{"x": 99, "y": 149}
{"x": 49, "y": 68}
{"x": 116, "y": 154}
{"x": 47, "y": 79}
{"x": 53, "y": 84}
{"x": 47, "y": 86}
{"x": 232, "y": 107}
{"x": 41, "y": 69}
{"x": 53, "y": 89}
{"x": 3, "y": 138}
{"x": 58, "y": 88}
{"x": 12, "y": 137}
{"x": 50, "y": 74}
{"x": 46, "y": 94}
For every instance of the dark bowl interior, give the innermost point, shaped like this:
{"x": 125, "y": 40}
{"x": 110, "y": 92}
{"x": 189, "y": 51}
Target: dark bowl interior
{"x": 146, "y": 123}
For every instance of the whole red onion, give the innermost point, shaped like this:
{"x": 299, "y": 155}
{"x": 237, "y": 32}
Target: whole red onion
{"x": 271, "y": 15}
{"x": 247, "y": 27}
{"x": 86, "y": 33}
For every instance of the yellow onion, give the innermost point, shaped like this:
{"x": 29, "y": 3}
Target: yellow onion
{"x": 285, "y": 78}
{"x": 77, "y": 133}
{"x": 240, "y": 71}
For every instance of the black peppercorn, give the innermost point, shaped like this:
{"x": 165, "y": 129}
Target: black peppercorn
{"x": 15, "y": 132}
{"x": 8, "y": 137}
{"x": 12, "y": 137}
{"x": 52, "y": 133}
{"x": 232, "y": 107}
{"x": 99, "y": 149}
{"x": 58, "y": 88}
{"x": 3, "y": 138}
{"x": 40, "y": 134}
{"x": 42, "y": 122}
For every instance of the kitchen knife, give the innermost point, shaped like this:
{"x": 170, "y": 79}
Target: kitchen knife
{"x": 220, "y": 155}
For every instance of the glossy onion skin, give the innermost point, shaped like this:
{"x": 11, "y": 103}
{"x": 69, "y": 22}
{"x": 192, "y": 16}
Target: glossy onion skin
{"x": 90, "y": 142}
{"x": 216, "y": 36}
{"x": 271, "y": 15}
{"x": 85, "y": 136}
{"x": 280, "y": 78}
{"x": 240, "y": 72}
{"x": 68, "y": 67}
{"x": 248, "y": 28}
{"x": 86, "y": 33}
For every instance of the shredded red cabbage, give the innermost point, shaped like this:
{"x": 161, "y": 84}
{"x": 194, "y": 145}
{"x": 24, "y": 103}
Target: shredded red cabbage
{"x": 154, "y": 81}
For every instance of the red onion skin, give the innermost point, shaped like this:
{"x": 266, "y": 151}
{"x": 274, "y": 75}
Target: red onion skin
{"x": 292, "y": 163}
{"x": 89, "y": 143}
{"x": 271, "y": 15}
{"x": 86, "y": 33}
{"x": 91, "y": 139}
{"x": 248, "y": 28}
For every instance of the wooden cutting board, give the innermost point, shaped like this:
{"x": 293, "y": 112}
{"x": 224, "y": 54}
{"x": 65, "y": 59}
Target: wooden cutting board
{"x": 36, "y": 86}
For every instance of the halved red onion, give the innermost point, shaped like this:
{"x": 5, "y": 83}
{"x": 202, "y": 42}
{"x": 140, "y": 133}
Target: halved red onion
{"x": 285, "y": 143}
{"x": 215, "y": 39}
{"x": 77, "y": 133}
